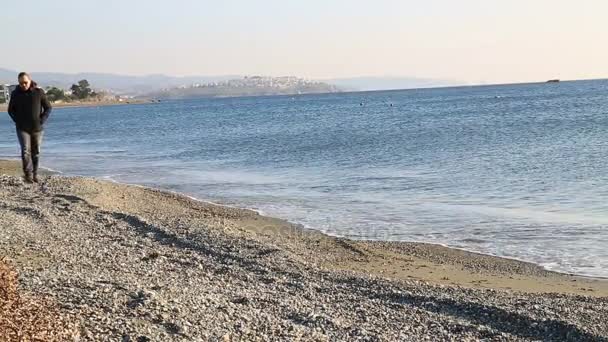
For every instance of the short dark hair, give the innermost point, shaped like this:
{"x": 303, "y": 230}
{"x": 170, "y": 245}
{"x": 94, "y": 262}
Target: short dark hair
{"x": 23, "y": 73}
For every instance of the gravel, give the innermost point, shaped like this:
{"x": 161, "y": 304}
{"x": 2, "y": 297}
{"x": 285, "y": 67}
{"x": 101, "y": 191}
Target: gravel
{"x": 137, "y": 264}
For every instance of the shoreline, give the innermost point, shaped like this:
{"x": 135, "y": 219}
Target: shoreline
{"x": 49, "y": 171}
{"x": 10, "y": 167}
{"x": 133, "y": 260}
{"x": 303, "y": 227}
{"x": 4, "y": 106}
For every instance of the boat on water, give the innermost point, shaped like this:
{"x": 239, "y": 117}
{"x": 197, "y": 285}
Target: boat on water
{"x": 553, "y": 81}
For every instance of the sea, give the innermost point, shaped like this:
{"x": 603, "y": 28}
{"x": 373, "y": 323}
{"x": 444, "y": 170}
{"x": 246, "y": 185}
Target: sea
{"x": 517, "y": 171}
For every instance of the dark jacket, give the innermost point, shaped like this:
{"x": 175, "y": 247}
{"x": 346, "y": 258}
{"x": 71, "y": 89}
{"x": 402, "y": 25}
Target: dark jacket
{"x": 29, "y": 109}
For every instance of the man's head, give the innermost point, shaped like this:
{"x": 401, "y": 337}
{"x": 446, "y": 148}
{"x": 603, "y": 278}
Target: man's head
{"x": 25, "y": 81}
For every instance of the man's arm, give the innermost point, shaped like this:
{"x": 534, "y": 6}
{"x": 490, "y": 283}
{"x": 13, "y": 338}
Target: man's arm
{"x": 12, "y": 111}
{"x": 46, "y": 106}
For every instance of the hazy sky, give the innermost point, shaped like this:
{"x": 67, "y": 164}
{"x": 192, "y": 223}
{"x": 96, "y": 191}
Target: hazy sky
{"x": 465, "y": 40}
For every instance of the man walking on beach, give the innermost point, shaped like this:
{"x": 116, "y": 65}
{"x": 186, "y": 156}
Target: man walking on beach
{"x": 29, "y": 109}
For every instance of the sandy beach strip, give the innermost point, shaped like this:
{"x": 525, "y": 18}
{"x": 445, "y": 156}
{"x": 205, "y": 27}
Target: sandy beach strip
{"x": 140, "y": 264}
{"x": 4, "y": 106}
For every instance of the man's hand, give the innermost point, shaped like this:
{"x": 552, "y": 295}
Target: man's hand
{"x": 46, "y": 105}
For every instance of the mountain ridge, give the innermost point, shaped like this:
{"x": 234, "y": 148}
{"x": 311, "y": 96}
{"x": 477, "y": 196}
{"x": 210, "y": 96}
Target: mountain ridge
{"x": 128, "y": 84}
{"x": 147, "y": 84}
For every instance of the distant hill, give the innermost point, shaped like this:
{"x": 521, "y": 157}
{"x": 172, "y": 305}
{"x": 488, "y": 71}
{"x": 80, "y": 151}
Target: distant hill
{"x": 248, "y": 86}
{"x": 387, "y": 83}
{"x": 133, "y": 85}
{"x": 140, "y": 85}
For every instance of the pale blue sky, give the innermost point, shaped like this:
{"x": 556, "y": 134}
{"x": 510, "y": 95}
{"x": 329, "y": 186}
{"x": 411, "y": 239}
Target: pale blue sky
{"x": 466, "y": 40}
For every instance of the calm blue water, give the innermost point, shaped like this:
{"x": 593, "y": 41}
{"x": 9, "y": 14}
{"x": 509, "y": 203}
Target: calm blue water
{"x": 516, "y": 171}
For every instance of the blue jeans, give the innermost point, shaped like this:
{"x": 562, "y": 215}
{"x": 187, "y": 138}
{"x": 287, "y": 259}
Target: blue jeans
{"x": 30, "y": 150}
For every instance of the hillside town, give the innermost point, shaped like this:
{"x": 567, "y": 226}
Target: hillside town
{"x": 283, "y": 82}
{"x": 249, "y": 86}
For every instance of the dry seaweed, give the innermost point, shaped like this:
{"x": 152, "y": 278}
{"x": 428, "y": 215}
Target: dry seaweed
{"x": 28, "y": 318}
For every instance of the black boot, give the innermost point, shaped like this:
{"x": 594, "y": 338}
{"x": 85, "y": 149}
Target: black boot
{"x": 28, "y": 178}
{"x": 35, "y": 178}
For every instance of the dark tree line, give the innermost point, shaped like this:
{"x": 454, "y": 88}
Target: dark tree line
{"x": 80, "y": 91}
{"x": 55, "y": 94}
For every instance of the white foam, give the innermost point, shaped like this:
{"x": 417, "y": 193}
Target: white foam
{"x": 51, "y": 170}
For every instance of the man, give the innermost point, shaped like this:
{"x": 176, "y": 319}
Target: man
{"x": 29, "y": 109}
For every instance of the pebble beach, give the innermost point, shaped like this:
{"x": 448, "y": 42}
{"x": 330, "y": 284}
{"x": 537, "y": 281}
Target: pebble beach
{"x": 129, "y": 263}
